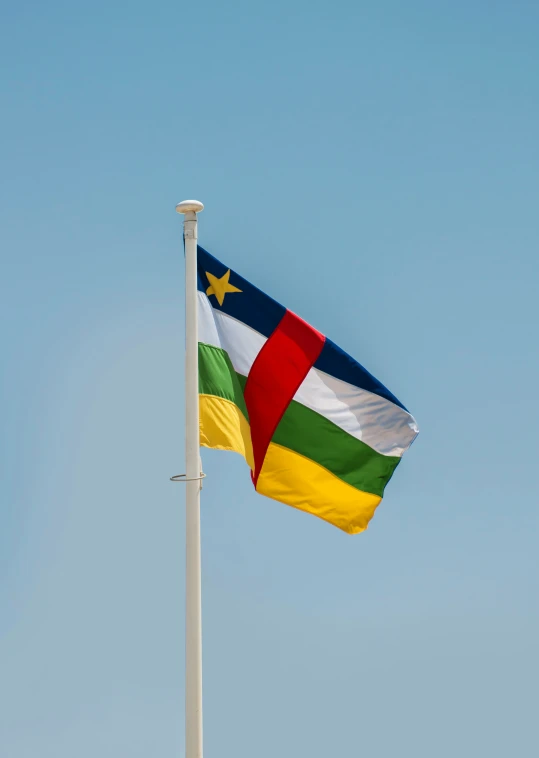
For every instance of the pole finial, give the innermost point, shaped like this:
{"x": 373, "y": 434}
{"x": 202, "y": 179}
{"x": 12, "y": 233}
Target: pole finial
{"x": 189, "y": 206}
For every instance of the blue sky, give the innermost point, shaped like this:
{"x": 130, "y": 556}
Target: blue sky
{"x": 373, "y": 166}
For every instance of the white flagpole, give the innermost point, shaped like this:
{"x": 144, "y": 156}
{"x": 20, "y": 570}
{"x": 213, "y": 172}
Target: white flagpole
{"x": 193, "y": 597}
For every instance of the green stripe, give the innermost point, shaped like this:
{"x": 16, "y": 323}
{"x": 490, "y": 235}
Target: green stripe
{"x": 307, "y": 432}
{"x": 302, "y": 429}
{"x": 216, "y": 376}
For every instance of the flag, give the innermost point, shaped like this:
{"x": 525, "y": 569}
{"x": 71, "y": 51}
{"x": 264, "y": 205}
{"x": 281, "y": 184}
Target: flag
{"x": 318, "y": 431}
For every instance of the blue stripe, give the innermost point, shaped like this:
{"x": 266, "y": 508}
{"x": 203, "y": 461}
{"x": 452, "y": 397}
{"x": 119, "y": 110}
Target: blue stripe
{"x": 263, "y": 314}
{"x": 332, "y": 360}
{"x": 253, "y": 307}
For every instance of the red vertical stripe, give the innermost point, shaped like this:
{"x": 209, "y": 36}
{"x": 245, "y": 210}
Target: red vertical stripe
{"x": 275, "y": 376}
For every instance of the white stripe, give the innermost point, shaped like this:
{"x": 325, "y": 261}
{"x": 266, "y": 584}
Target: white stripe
{"x": 378, "y": 422}
{"x": 207, "y": 330}
{"x": 240, "y": 341}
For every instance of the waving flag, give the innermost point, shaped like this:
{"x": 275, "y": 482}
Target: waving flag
{"x": 318, "y": 431}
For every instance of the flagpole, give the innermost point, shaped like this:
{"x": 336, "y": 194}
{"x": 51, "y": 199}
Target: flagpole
{"x": 193, "y": 481}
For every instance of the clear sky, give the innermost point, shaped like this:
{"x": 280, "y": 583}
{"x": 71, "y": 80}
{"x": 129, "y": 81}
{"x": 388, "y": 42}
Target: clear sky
{"x": 373, "y": 166}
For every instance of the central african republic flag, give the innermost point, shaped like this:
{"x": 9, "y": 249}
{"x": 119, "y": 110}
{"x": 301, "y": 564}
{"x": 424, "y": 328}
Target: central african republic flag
{"x": 318, "y": 431}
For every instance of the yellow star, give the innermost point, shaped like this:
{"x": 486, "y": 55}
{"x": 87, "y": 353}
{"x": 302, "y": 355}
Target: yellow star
{"x": 219, "y": 287}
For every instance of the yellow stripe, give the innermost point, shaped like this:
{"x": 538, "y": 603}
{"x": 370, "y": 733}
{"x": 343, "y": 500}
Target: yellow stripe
{"x": 223, "y": 426}
{"x": 287, "y": 476}
{"x": 297, "y": 481}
